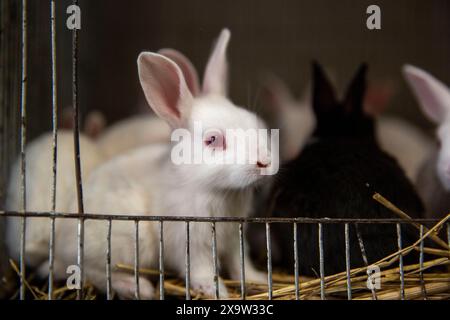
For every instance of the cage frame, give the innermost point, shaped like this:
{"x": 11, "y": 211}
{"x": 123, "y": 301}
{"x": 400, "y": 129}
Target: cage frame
{"x": 81, "y": 216}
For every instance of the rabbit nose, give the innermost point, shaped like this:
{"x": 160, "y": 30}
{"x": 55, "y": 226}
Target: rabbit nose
{"x": 263, "y": 163}
{"x": 264, "y": 159}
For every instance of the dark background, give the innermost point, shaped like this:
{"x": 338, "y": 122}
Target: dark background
{"x": 277, "y": 36}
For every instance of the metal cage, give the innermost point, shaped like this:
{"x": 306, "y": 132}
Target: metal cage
{"x": 12, "y": 96}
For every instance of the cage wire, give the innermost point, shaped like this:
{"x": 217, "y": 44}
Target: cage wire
{"x": 13, "y": 99}
{"x": 9, "y": 93}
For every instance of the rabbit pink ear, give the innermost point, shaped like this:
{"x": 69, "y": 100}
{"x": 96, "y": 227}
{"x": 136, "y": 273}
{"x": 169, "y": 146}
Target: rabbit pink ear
{"x": 276, "y": 92}
{"x": 215, "y": 80}
{"x": 433, "y": 95}
{"x": 186, "y": 66}
{"x": 377, "y": 97}
{"x": 94, "y": 124}
{"x": 165, "y": 88}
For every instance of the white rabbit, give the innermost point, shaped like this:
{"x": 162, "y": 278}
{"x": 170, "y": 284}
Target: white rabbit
{"x": 143, "y": 129}
{"x": 398, "y": 137}
{"x": 405, "y": 142}
{"x": 401, "y": 139}
{"x": 145, "y": 181}
{"x": 434, "y": 178}
{"x": 93, "y": 125}
{"x": 39, "y": 180}
{"x": 132, "y": 132}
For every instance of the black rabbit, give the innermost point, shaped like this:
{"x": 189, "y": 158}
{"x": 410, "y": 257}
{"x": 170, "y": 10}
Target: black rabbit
{"x": 336, "y": 176}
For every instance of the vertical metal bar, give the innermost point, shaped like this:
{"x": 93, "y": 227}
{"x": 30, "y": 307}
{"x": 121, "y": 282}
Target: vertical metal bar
{"x": 347, "y": 262}
{"x": 54, "y": 148}
{"x": 402, "y": 275}
{"x": 136, "y": 260}
{"x": 364, "y": 256}
{"x": 108, "y": 262}
{"x": 322, "y": 271}
{"x": 269, "y": 261}
{"x": 75, "y": 102}
{"x": 242, "y": 256}
{"x": 214, "y": 254}
{"x": 188, "y": 263}
{"x": 296, "y": 266}
{"x": 76, "y": 140}
{"x": 161, "y": 260}
{"x": 422, "y": 284}
{"x": 23, "y": 115}
{"x": 3, "y": 100}
{"x": 3, "y": 85}
{"x": 80, "y": 256}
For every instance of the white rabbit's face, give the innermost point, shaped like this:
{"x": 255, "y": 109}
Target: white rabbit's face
{"x": 443, "y": 165}
{"x": 434, "y": 99}
{"x": 226, "y": 146}
{"x": 231, "y": 141}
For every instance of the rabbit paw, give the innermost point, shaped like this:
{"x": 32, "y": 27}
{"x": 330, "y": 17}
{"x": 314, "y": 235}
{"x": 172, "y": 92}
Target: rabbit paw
{"x": 206, "y": 286}
{"x": 125, "y": 287}
{"x": 256, "y": 276}
{"x": 251, "y": 273}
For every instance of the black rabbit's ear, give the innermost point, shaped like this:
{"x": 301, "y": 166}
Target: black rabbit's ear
{"x": 354, "y": 98}
{"x": 324, "y": 97}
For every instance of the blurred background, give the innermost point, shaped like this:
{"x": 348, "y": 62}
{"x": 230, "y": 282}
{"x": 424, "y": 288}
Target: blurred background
{"x": 281, "y": 37}
{"x": 267, "y": 36}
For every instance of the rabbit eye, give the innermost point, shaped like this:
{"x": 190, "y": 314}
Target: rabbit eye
{"x": 211, "y": 140}
{"x": 215, "y": 140}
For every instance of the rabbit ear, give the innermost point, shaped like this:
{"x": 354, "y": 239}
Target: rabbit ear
{"x": 215, "y": 80}
{"x": 165, "y": 88}
{"x": 354, "y": 97}
{"x": 433, "y": 95}
{"x": 275, "y": 91}
{"x": 324, "y": 97}
{"x": 378, "y": 96}
{"x": 94, "y": 124}
{"x": 189, "y": 71}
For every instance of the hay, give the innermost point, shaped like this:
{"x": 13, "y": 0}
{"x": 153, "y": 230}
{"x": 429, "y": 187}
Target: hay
{"x": 419, "y": 283}
{"x": 428, "y": 286}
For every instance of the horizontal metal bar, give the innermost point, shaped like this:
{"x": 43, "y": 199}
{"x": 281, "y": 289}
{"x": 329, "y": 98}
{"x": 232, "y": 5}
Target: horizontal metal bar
{"x": 131, "y": 217}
